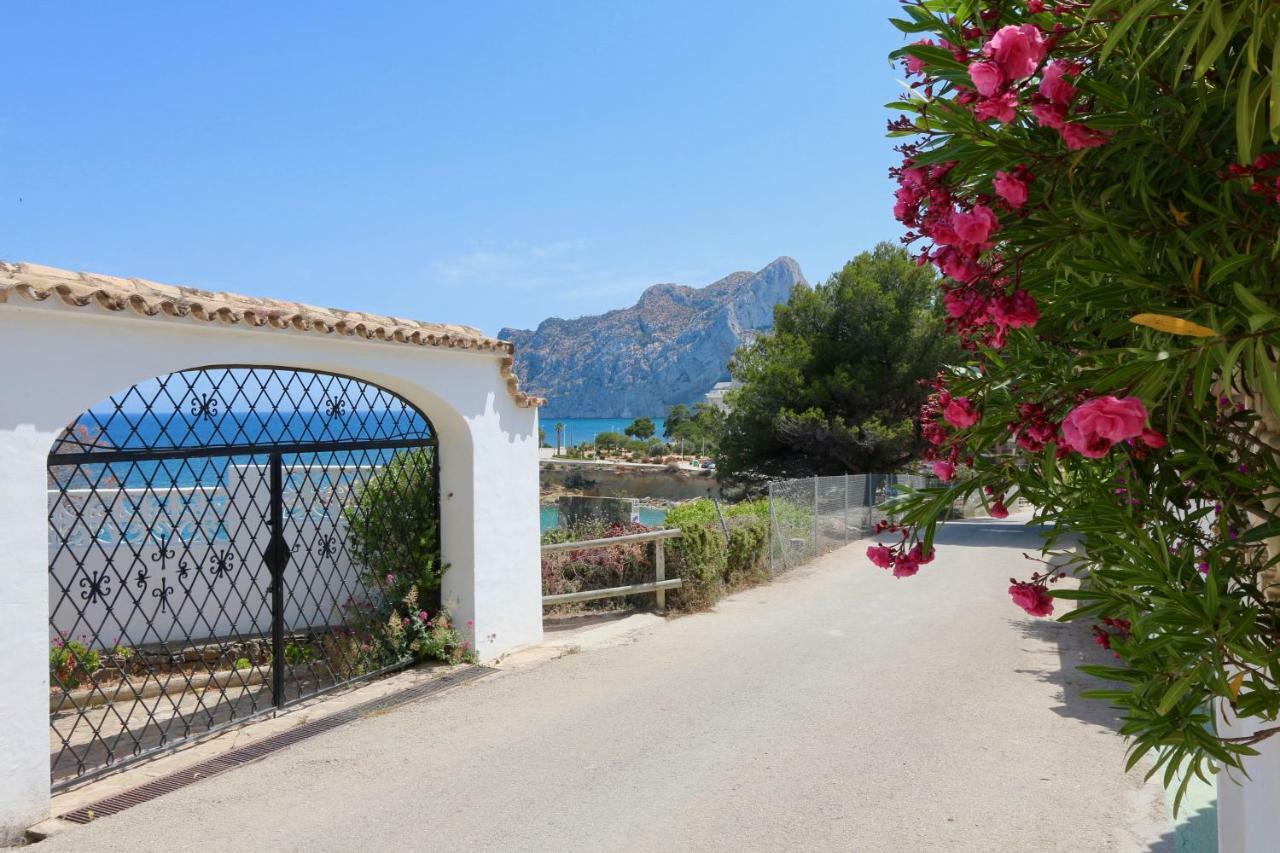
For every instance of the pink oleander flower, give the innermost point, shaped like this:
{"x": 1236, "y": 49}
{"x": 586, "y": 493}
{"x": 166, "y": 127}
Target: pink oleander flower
{"x": 880, "y": 555}
{"x": 917, "y": 552}
{"x": 1015, "y": 311}
{"x": 1152, "y": 439}
{"x": 1079, "y": 136}
{"x": 1054, "y": 86}
{"x": 1017, "y": 50}
{"x": 998, "y": 509}
{"x": 965, "y": 303}
{"x": 1002, "y": 107}
{"x": 986, "y": 78}
{"x": 1095, "y": 425}
{"x": 1035, "y": 7}
{"x": 907, "y": 564}
{"x": 914, "y": 65}
{"x": 958, "y": 266}
{"x": 944, "y": 470}
{"x": 1031, "y": 598}
{"x": 1050, "y": 115}
{"x": 1012, "y": 189}
{"x": 975, "y": 227}
{"x": 960, "y": 413}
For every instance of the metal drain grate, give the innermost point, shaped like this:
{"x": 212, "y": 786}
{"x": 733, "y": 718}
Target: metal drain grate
{"x": 246, "y": 754}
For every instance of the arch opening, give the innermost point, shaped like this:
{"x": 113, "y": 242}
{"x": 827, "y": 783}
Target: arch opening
{"x": 225, "y": 541}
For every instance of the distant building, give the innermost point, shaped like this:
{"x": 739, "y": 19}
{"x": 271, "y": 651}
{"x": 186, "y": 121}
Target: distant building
{"x": 715, "y": 396}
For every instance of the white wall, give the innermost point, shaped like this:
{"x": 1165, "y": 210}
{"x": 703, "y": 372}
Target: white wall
{"x": 1249, "y": 809}
{"x": 59, "y": 361}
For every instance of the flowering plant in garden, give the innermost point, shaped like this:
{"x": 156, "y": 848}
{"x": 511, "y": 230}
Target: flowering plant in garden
{"x": 1099, "y": 183}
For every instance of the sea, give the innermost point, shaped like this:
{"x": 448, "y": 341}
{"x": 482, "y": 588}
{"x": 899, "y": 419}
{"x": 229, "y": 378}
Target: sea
{"x": 578, "y": 430}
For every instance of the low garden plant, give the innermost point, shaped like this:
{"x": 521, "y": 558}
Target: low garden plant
{"x": 1099, "y": 183}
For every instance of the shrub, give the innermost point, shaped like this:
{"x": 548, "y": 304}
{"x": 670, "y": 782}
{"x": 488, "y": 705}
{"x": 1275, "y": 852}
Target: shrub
{"x": 394, "y": 536}
{"x": 1098, "y": 183}
{"x": 72, "y": 663}
{"x": 596, "y": 568}
{"x": 394, "y": 527}
{"x": 748, "y": 551}
{"x": 700, "y": 558}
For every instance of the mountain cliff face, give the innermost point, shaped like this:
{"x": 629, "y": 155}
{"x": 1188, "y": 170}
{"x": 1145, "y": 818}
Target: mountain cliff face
{"x": 670, "y": 347}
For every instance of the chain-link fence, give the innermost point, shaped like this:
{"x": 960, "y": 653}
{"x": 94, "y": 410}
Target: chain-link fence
{"x": 812, "y": 516}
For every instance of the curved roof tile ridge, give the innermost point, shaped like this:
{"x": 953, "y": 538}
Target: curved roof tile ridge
{"x": 150, "y": 299}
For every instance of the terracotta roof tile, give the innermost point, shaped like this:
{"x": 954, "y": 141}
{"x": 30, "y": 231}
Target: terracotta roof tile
{"x": 152, "y": 299}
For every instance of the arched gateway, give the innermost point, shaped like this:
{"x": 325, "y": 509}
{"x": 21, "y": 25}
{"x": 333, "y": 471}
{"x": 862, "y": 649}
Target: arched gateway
{"x": 200, "y": 526}
{"x": 225, "y": 541}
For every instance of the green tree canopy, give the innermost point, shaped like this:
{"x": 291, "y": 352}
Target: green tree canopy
{"x": 836, "y": 387}
{"x": 641, "y": 428}
{"x": 679, "y": 414}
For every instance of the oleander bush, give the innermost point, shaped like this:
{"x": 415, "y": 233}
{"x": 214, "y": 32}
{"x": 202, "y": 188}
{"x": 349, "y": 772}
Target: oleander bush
{"x": 1099, "y": 184}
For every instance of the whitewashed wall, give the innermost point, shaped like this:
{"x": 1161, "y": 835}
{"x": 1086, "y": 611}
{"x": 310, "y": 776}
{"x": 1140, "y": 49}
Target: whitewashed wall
{"x": 56, "y": 362}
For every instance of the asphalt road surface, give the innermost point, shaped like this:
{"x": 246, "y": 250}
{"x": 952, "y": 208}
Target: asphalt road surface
{"x": 835, "y": 709}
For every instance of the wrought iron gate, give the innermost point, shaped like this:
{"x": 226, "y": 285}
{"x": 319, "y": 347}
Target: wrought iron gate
{"x": 223, "y": 542}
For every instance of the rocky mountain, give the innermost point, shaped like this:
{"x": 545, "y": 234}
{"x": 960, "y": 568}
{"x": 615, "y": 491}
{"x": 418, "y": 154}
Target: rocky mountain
{"x": 668, "y": 348}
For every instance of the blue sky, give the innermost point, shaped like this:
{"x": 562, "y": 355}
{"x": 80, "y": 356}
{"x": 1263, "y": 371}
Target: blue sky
{"x": 483, "y": 163}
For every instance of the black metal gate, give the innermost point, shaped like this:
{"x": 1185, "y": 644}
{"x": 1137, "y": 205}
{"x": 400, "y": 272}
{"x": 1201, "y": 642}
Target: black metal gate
{"x": 224, "y": 542}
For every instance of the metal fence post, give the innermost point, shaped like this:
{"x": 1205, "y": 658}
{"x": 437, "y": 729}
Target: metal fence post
{"x": 846, "y": 509}
{"x": 277, "y": 559}
{"x": 773, "y": 525}
{"x": 815, "y": 515}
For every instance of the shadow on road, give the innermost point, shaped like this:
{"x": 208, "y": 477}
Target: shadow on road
{"x": 1071, "y": 644}
{"x": 987, "y": 533}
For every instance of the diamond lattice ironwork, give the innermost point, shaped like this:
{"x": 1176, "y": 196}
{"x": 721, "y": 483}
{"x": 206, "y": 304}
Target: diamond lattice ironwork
{"x": 200, "y": 563}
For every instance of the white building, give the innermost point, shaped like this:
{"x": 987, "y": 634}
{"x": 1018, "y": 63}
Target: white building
{"x": 71, "y": 340}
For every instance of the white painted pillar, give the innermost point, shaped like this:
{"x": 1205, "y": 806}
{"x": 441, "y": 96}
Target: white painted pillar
{"x": 1249, "y": 809}
{"x": 24, "y": 625}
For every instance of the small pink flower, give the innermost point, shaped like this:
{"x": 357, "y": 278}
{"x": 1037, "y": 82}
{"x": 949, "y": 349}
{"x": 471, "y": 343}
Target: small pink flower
{"x": 965, "y": 303}
{"x": 1152, "y": 439}
{"x": 1013, "y": 190}
{"x": 998, "y": 509}
{"x": 1031, "y": 598}
{"x": 944, "y": 470}
{"x": 423, "y": 615}
{"x": 914, "y": 65}
{"x": 1095, "y": 425}
{"x": 907, "y": 564}
{"x": 1050, "y": 115}
{"x": 1018, "y": 50}
{"x": 1054, "y": 86}
{"x": 1035, "y": 7}
{"x": 1016, "y": 310}
{"x": 1002, "y": 107}
{"x": 1203, "y": 568}
{"x": 1079, "y": 136}
{"x": 960, "y": 413}
{"x": 986, "y": 78}
{"x": 880, "y": 555}
{"x": 391, "y": 578}
{"x": 976, "y": 226}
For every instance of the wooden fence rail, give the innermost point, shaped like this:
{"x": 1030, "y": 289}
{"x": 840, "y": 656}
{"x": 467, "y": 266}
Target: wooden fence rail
{"x": 659, "y": 586}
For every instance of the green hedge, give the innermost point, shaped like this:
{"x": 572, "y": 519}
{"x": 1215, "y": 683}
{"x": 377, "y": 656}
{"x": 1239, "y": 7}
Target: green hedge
{"x": 709, "y": 565}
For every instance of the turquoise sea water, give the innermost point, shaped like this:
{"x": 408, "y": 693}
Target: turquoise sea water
{"x": 650, "y": 516}
{"x": 578, "y": 430}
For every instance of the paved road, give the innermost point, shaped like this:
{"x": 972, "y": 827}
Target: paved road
{"x": 837, "y": 709}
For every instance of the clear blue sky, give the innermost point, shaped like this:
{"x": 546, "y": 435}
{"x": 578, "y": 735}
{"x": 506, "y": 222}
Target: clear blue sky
{"x": 482, "y": 163}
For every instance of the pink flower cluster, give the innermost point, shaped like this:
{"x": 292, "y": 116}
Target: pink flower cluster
{"x": 1263, "y": 179}
{"x": 1094, "y": 426}
{"x": 1033, "y": 595}
{"x": 904, "y": 561}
